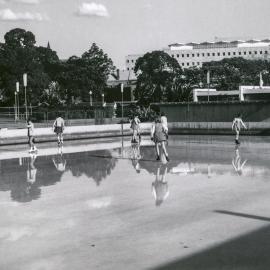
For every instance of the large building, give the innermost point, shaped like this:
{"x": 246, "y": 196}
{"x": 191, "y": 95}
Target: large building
{"x": 195, "y": 54}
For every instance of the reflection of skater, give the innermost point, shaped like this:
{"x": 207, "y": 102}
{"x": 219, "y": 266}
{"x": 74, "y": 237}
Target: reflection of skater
{"x": 136, "y": 157}
{"x": 30, "y": 133}
{"x": 158, "y": 135}
{"x": 31, "y": 170}
{"x": 237, "y": 163}
{"x": 135, "y": 126}
{"x": 236, "y": 126}
{"x": 160, "y": 188}
{"x": 59, "y": 163}
{"x": 58, "y": 128}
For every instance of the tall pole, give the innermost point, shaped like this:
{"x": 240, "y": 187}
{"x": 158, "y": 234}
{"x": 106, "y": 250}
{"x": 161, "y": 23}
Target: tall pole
{"x": 102, "y": 99}
{"x": 90, "y": 99}
{"x": 15, "y": 106}
{"x": 25, "y": 97}
{"x": 208, "y": 83}
{"x": 122, "y": 95}
{"x": 18, "y": 101}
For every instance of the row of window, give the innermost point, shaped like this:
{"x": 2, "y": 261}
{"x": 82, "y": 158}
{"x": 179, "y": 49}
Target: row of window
{"x": 190, "y": 64}
{"x": 183, "y": 64}
{"x": 212, "y": 54}
{"x": 219, "y": 54}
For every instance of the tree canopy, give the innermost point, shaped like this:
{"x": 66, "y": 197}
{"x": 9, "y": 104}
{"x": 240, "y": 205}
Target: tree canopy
{"x": 156, "y": 73}
{"x": 47, "y": 74}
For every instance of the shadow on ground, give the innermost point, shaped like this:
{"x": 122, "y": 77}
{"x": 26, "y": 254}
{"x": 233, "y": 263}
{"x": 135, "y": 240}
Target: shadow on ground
{"x": 250, "y": 251}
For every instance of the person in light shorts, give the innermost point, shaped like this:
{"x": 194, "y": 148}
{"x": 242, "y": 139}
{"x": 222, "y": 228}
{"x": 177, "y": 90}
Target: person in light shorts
{"x": 58, "y": 128}
{"x": 237, "y": 124}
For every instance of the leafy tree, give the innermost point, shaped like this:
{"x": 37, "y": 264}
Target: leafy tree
{"x": 156, "y": 73}
{"x": 79, "y": 75}
{"x": 19, "y": 55}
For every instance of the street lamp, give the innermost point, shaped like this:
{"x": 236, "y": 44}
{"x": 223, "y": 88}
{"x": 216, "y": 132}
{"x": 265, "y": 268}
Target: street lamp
{"x": 208, "y": 83}
{"x": 90, "y": 100}
{"x": 15, "y": 105}
{"x": 25, "y": 98}
{"x": 102, "y": 95}
{"x": 122, "y": 94}
{"x": 18, "y": 101}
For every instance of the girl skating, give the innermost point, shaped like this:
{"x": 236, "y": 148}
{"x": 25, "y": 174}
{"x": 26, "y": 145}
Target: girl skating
{"x": 236, "y": 126}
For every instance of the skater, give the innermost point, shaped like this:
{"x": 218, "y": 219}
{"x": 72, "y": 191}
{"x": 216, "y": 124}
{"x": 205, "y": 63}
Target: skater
{"x": 164, "y": 123}
{"x": 58, "y": 128}
{"x": 135, "y": 126}
{"x": 158, "y": 135}
{"x": 30, "y": 133}
{"x": 236, "y": 126}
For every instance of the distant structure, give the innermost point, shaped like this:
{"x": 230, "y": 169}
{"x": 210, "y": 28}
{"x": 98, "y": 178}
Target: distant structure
{"x": 195, "y": 54}
{"x": 244, "y": 93}
{"x": 48, "y": 45}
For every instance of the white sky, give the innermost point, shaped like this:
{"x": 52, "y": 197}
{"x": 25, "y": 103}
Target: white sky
{"x": 122, "y": 27}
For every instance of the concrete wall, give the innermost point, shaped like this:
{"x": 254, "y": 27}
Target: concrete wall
{"x": 216, "y": 111}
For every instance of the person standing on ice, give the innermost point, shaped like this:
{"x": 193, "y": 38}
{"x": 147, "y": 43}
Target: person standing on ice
{"x": 236, "y": 126}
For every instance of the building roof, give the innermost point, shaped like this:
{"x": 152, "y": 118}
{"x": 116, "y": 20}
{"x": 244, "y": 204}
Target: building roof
{"x": 218, "y": 43}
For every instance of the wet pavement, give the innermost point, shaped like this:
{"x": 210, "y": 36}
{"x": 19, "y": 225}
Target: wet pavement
{"x": 104, "y": 204}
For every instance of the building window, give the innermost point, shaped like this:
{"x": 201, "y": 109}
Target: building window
{"x": 187, "y": 55}
{"x": 127, "y": 68}
{"x": 172, "y": 56}
{"x": 208, "y": 54}
{"x": 127, "y": 61}
{"x": 239, "y": 53}
{"x": 213, "y": 54}
{"x": 193, "y": 63}
{"x": 266, "y": 52}
{"x": 132, "y": 61}
{"x": 177, "y": 55}
{"x": 198, "y": 54}
{"x": 255, "y": 52}
{"x": 224, "y": 53}
{"x": 260, "y": 52}
{"x": 183, "y": 64}
{"x": 183, "y": 55}
{"x": 218, "y": 54}
{"x": 132, "y": 68}
{"x": 198, "y": 63}
{"x": 234, "y": 53}
{"x": 202, "y": 54}
{"x": 187, "y": 64}
{"x": 245, "y": 53}
{"x": 249, "y": 52}
{"x": 229, "y": 53}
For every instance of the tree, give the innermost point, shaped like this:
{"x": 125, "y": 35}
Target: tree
{"x": 79, "y": 75}
{"x": 19, "y": 55}
{"x": 156, "y": 72}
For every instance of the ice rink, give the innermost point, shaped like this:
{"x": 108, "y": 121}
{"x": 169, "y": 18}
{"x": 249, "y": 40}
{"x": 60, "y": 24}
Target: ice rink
{"x": 104, "y": 204}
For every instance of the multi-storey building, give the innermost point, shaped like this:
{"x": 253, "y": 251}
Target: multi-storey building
{"x": 195, "y": 54}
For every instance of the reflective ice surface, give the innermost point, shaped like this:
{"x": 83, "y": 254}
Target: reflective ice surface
{"x": 118, "y": 208}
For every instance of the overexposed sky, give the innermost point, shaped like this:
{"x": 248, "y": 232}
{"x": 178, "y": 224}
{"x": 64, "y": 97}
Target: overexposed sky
{"x": 122, "y": 27}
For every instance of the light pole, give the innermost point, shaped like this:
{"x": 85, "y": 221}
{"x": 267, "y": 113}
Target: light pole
{"x": 15, "y": 106}
{"x": 208, "y": 83}
{"x": 18, "y": 101}
{"x": 122, "y": 95}
{"x": 25, "y": 98}
{"x": 102, "y": 95}
{"x": 90, "y": 99}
